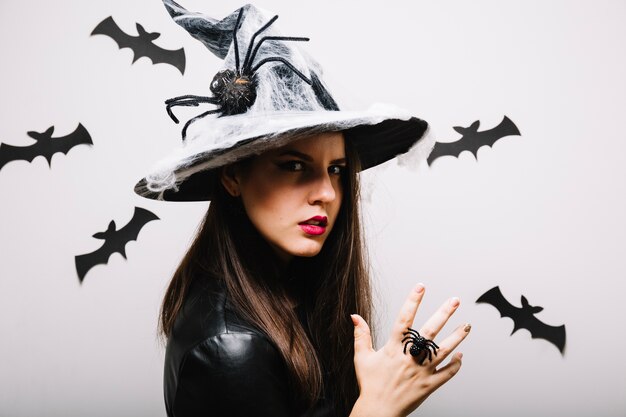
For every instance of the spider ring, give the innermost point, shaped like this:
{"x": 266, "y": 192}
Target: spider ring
{"x": 420, "y": 346}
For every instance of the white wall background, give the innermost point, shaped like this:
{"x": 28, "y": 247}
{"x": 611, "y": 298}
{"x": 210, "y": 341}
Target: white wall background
{"x": 540, "y": 215}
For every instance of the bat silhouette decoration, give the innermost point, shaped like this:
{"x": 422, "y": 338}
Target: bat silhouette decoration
{"x": 524, "y": 318}
{"x": 141, "y": 45}
{"x": 45, "y": 145}
{"x": 114, "y": 241}
{"x": 472, "y": 139}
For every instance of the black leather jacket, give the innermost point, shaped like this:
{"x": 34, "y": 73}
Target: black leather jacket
{"x": 218, "y": 365}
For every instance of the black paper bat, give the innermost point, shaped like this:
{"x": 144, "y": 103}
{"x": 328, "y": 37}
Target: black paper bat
{"x": 114, "y": 241}
{"x": 524, "y": 318}
{"x": 472, "y": 139}
{"x": 45, "y": 146}
{"x": 141, "y": 45}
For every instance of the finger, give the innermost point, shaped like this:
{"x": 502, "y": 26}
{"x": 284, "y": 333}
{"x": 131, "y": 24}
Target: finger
{"x": 434, "y": 324}
{"x": 407, "y": 314}
{"x": 445, "y": 373}
{"x": 450, "y": 343}
{"x": 362, "y": 335}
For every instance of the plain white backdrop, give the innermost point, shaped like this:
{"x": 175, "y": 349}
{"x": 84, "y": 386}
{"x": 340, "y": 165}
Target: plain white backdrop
{"x": 540, "y": 214}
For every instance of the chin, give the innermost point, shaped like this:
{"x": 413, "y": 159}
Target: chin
{"x": 308, "y": 254}
{"x": 308, "y": 249}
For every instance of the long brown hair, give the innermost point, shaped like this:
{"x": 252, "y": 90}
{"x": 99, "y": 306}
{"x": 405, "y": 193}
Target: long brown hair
{"x": 335, "y": 284}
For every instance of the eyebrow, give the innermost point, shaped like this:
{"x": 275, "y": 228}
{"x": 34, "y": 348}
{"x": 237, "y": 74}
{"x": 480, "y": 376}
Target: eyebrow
{"x": 308, "y": 158}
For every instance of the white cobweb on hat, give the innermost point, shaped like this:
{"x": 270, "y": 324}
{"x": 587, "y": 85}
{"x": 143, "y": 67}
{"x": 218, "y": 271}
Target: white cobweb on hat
{"x": 415, "y": 157}
{"x": 286, "y": 107}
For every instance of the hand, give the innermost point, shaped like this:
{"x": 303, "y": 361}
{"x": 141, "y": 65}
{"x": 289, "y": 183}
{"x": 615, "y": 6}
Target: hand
{"x": 393, "y": 383}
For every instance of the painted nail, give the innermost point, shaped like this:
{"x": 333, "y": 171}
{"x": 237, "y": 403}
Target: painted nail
{"x": 455, "y": 301}
{"x": 467, "y": 327}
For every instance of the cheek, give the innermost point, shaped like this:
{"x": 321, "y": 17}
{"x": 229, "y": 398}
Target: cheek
{"x": 338, "y": 198}
{"x": 267, "y": 201}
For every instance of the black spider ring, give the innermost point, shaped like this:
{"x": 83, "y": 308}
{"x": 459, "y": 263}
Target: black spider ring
{"x": 420, "y": 345}
{"x": 235, "y": 91}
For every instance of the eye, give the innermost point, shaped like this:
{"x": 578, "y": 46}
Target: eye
{"x": 292, "y": 166}
{"x": 220, "y": 80}
{"x": 336, "y": 169}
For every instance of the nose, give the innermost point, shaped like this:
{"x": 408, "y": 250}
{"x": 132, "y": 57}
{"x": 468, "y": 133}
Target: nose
{"x": 322, "y": 189}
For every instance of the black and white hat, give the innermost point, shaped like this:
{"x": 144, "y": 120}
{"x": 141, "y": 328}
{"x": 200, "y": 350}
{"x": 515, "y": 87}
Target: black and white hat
{"x": 269, "y": 92}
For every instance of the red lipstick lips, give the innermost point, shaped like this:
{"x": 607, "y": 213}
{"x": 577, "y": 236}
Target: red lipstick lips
{"x": 315, "y": 225}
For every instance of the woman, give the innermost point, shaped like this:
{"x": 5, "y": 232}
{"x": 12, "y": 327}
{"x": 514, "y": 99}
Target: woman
{"x": 267, "y": 313}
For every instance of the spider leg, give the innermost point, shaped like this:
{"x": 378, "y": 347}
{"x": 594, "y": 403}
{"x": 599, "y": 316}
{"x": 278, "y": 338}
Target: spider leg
{"x": 250, "y": 58}
{"x": 235, "y": 40}
{"x": 408, "y": 337}
{"x": 430, "y": 356}
{"x": 413, "y": 332}
{"x": 190, "y": 121}
{"x": 405, "y": 345}
{"x": 251, "y": 44}
{"x": 284, "y": 61}
{"x": 434, "y": 350}
{"x": 186, "y": 96}
{"x": 430, "y": 342}
{"x": 186, "y": 100}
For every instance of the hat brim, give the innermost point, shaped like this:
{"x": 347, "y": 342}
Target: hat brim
{"x": 375, "y": 142}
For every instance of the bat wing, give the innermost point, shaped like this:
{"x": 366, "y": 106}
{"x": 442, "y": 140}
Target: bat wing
{"x": 109, "y": 28}
{"x": 443, "y": 149}
{"x": 540, "y": 330}
{"x": 495, "y": 298}
{"x": 80, "y": 136}
{"x": 505, "y": 128}
{"x": 159, "y": 55}
{"x": 87, "y": 261}
{"x": 10, "y": 153}
{"x": 131, "y": 230}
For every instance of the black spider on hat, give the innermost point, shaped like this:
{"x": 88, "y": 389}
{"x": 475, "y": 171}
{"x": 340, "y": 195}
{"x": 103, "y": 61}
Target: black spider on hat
{"x": 235, "y": 91}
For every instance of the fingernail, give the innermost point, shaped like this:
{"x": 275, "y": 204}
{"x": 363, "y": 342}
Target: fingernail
{"x": 467, "y": 327}
{"x": 354, "y": 319}
{"x": 454, "y": 301}
{"x": 419, "y": 288}
{"x": 460, "y": 355}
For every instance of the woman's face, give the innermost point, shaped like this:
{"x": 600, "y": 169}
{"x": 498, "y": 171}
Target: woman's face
{"x": 293, "y": 194}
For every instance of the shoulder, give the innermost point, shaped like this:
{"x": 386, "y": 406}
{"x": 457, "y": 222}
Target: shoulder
{"x": 236, "y": 358}
{"x": 205, "y": 316}
{"x": 240, "y": 348}
{"x": 240, "y": 374}
{"x": 215, "y": 361}
{"x": 206, "y": 312}
{"x": 235, "y": 374}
